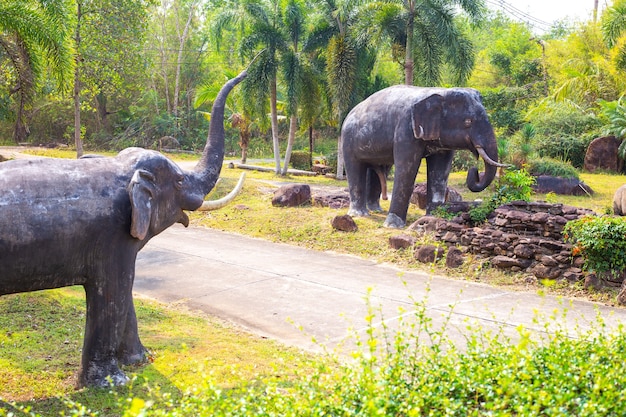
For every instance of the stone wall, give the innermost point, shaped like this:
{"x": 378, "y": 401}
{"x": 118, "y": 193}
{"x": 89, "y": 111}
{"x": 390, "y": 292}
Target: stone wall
{"x": 518, "y": 237}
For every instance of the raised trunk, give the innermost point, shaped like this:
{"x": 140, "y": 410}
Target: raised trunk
{"x": 477, "y": 182}
{"x": 210, "y": 165}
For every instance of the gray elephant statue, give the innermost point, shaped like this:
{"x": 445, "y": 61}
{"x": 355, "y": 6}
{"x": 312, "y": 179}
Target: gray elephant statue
{"x": 82, "y": 222}
{"x": 399, "y": 126}
{"x": 619, "y": 201}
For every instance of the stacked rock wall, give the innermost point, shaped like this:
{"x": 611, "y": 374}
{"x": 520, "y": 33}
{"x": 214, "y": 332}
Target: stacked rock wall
{"x": 519, "y": 237}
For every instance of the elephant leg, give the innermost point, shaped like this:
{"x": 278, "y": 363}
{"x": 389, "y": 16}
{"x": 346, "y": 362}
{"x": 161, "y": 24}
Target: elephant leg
{"x": 108, "y": 301}
{"x": 131, "y": 351}
{"x": 404, "y": 181}
{"x": 357, "y": 186}
{"x": 438, "y": 166}
{"x": 373, "y": 186}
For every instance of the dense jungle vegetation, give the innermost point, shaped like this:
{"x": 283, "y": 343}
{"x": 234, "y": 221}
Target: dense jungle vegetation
{"x": 106, "y": 74}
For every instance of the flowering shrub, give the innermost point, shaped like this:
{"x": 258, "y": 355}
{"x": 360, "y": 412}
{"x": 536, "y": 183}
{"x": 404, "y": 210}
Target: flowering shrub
{"x": 601, "y": 241}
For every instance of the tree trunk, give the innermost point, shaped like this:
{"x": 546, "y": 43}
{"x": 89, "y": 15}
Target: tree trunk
{"x": 311, "y": 145}
{"x": 409, "y": 64}
{"x": 274, "y": 117}
{"x": 293, "y": 125}
{"x": 339, "y": 175}
{"x": 182, "y": 38}
{"x": 78, "y": 141}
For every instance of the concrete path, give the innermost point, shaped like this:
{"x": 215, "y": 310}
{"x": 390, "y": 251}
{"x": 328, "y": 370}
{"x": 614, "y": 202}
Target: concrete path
{"x": 296, "y": 295}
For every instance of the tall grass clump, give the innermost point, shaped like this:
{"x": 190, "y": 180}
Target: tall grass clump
{"x": 417, "y": 370}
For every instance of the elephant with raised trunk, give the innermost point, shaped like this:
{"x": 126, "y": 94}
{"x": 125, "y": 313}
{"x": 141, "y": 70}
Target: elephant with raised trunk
{"x": 82, "y": 222}
{"x": 399, "y": 126}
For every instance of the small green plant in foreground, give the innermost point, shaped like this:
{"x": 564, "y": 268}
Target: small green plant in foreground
{"x": 415, "y": 370}
{"x": 601, "y": 241}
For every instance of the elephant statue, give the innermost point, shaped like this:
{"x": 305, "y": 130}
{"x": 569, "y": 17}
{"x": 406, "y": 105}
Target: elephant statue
{"x": 82, "y": 222}
{"x": 619, "y": 201}
{"x": 399, "y": 126}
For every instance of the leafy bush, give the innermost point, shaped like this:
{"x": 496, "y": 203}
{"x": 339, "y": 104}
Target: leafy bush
{"x": 551, "y": 166}
{"x": 301, "y": 160}
{"x": 601, "y": 241}
{"x": 512, "y": 186}
{"x": 463, "y": 161}
{"x": 564, "y": 131}
{"x": 417, "y": 371}
{"x": 565, "y": 148}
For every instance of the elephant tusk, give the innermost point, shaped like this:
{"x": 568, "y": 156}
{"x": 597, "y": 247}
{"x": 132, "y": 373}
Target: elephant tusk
{"x": 488, "y": 160}
{"x": 416, "y": 134}
{"x": 217, "y": 204}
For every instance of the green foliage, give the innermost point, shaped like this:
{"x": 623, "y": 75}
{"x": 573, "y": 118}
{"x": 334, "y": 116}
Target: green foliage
{"x": 505, "y": 107}
{"x": 551, "y": 166}
{"x": 512, "y": 186}
{"x": 416, "y": 370}
{"x": 564, "y": 131}
{"x": 301, "y": 160}
{"x": 442, "y": 212}
{"x": 601, "y": 241}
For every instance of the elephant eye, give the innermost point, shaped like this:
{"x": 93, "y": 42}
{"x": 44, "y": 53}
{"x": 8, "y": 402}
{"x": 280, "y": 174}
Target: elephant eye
{"x": 468, "y": 122}
{"x": 179, "y": 182}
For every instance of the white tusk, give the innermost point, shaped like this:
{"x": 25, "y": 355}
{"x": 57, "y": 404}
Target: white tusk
{"x": 488, "y": 160}
{"x": 417, "y": 135}
{"x": 217, "y": 204}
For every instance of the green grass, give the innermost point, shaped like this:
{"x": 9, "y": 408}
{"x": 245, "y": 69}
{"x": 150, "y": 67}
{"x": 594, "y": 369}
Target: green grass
{"x": 41, "y": 338}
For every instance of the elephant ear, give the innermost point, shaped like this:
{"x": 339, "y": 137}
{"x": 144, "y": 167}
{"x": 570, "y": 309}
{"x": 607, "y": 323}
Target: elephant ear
{"x": 141, "y": 192}
{"x": 427, "y": 115}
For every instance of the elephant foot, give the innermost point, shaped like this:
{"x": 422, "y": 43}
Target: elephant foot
{"x": 358, "y": 212}
{"x": 394, "y": 221}
{"x": 376, "y": 208}
{"x": 102, "y": 375}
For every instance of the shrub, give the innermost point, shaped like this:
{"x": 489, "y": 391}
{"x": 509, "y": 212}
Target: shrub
{"x": 566, "y": 148}
{"x": 301, "y": 160}
{"x": 417, "y": 371}
{"x": 551, "y": 166}
{"x": 512, "y": 186}
{"x": 601, "y": 241}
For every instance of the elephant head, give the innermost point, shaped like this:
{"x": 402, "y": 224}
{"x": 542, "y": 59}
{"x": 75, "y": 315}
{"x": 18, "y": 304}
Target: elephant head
{"x": 160, "y": 191}
{"x": 456, "y": 119}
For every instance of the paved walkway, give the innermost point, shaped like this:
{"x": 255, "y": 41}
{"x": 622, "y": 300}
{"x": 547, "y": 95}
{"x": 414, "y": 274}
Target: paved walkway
{"x": 296, "y": 295}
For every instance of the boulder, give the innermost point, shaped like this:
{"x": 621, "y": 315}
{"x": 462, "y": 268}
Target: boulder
{"x": 401, "y": 241}
{"x": 419, "y": 195}
{"x": 344, "y": 223}
{"x": 428, "y": 253}
{"x": 563, "y": 186}
{"x": 602, "y": 155}
{"x": 454, "y": 259}
{"x": 334, "y": 200}
{"x": 292, "y": 195}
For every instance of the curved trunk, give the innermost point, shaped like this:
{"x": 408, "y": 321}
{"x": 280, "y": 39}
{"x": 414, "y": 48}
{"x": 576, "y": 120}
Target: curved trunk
{"x": 209, "y": 167}
{"x": 477, "y": 182}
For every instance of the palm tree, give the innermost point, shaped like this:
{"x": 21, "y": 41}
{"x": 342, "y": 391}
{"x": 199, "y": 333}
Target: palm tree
{"x": 294, "y": 70}
{"x": 426, "y": 33}
{"x": 35, "y": 34}
{"x": 260, "y": 25}
{"x": 347, "y": 57}
{"x": 614, "y": 30}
